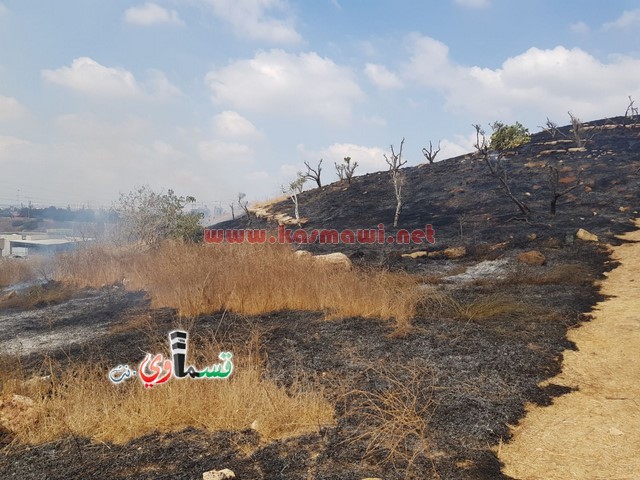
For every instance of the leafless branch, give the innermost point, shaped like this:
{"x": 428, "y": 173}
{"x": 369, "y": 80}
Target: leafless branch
{"x": 632, "y": 112}
{"x": 314, "y": 173}
{"x": 431, "y": 154}
{"x": 397, "y": 178}
{"x": 293, "y": 190}
{"x": 496, "y": 167}
{"x": 482, "y": 144}
{"x": 499, "y": 171}
{"x": 552, "y": 128}
{"x": 244, "y": 205}
{"x": 554, "y": 181}
{"x": 579, "y": 135}
{"x": 345, "y": 171}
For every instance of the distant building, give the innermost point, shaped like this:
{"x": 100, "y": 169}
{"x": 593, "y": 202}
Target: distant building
{"x": 25, "y": 244}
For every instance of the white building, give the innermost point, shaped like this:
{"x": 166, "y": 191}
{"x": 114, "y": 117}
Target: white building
{"x": 25, "y": 244}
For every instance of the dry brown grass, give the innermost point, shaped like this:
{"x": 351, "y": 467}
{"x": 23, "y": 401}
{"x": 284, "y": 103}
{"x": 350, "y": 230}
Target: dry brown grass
{"x": 39, "y": 296}
{"x": 394, "y": 421}
{"x": 248, "y": 279}
{"x": 14, "y": 270}
{"x": 81, "y": 401}
{"x": 448, "y": 305}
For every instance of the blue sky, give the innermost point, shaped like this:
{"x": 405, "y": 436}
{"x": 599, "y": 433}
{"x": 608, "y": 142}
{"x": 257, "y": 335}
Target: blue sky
{"x": 216, "y": 97}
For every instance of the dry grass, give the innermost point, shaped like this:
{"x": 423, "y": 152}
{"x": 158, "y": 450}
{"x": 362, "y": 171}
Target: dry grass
{"x": 14, "y": 270}
{"x": 394, "y": 421}
{"x": 447, "y": 305}
{"x": 248, "y": 279}
{"x": 567, "y": 274}
{"x": 81, "y": 401}
{"x": 39, "y": 296}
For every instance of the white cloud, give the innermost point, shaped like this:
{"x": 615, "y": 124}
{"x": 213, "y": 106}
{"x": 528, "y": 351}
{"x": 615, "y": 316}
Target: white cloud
{"x": 160, "y": 86}
{"x": 258, "y": 19}
{"x": 224, "y": 153}
{"x": 89, "y": 127}
{"x": 460, "y": 145}
{"x": 544, "y": 82}
{"x": 231, "y": 124}
{"x": 367, "y": 48}
{"x": 290, "y": 172}
{"x": 11, "y": 109}
{"x": 8, "y": 143}
{"x": 370, "y": 159}
{"x": 628, "y": 19}
{"x": 151, "y": 14}
{"x": 375, "y": 120}
{"x": 89, "y": 77}
{"x": 579, "y": 27}
{"x": 287, "y": 84}
{"x": 473, "y": 3}
{"x": 93, "y": 156}
{"x": 381, "y": 77}
{"x": 3, "y": 9}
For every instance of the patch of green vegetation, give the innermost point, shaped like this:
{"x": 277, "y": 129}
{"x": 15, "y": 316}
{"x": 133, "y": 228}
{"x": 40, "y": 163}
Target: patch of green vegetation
{"x": 509, "y": 136}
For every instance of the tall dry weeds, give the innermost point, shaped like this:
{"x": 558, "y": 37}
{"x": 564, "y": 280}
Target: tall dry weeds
{"x": 393, "y": 421}
{"x": 14, "y": 270}
{"x": 79, "y": 400}
{"x": 248, "y": 279}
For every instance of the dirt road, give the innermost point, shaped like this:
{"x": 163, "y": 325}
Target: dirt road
{"x": 594, "y": 432}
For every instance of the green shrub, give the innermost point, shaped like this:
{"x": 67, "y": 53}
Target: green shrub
{"x": 509, "y": 136}
{"x": 150, "y": 217}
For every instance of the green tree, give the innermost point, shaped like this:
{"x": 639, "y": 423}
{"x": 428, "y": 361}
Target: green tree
{"x": 508, "y": 136}
{"x": 149, "y": 217}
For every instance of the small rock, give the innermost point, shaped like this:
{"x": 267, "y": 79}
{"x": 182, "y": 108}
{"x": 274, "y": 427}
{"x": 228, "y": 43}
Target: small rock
{"x": 615, "y": 431}
{"x": 218, "y": 474}
{"x": 533, "y": 257}
{"x": 338, "y": 259}
{"x": 567, "y": 180}
{"x": 586, "y": 236}
{"x": 624, "y": 209}
{"x": 531, "y": 237}
{"x": 455, "y": 252}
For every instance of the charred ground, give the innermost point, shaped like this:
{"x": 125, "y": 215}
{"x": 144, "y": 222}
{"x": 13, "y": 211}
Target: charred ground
{"x": 473, "y": 359}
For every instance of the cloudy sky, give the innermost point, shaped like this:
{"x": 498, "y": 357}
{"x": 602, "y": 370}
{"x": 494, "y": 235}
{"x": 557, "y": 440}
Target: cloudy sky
{"x": 216, "y": 97}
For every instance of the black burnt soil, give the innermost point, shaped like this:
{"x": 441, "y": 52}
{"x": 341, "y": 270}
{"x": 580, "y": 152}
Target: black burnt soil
{"x": 471, "y": 376}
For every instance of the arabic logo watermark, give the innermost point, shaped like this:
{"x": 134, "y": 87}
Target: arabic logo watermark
{"x": 155, "y": 370}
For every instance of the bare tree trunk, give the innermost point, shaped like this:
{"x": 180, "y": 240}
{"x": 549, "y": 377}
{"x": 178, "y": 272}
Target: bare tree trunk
{"x": 397, "y": 185}
{"x": 554, "y": 180}
{"x": 503, "y": 180}
{"x": 294, "y": 198}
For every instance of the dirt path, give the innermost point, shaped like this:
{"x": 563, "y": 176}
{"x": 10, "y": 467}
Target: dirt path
{"x": 593, "y": 433}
